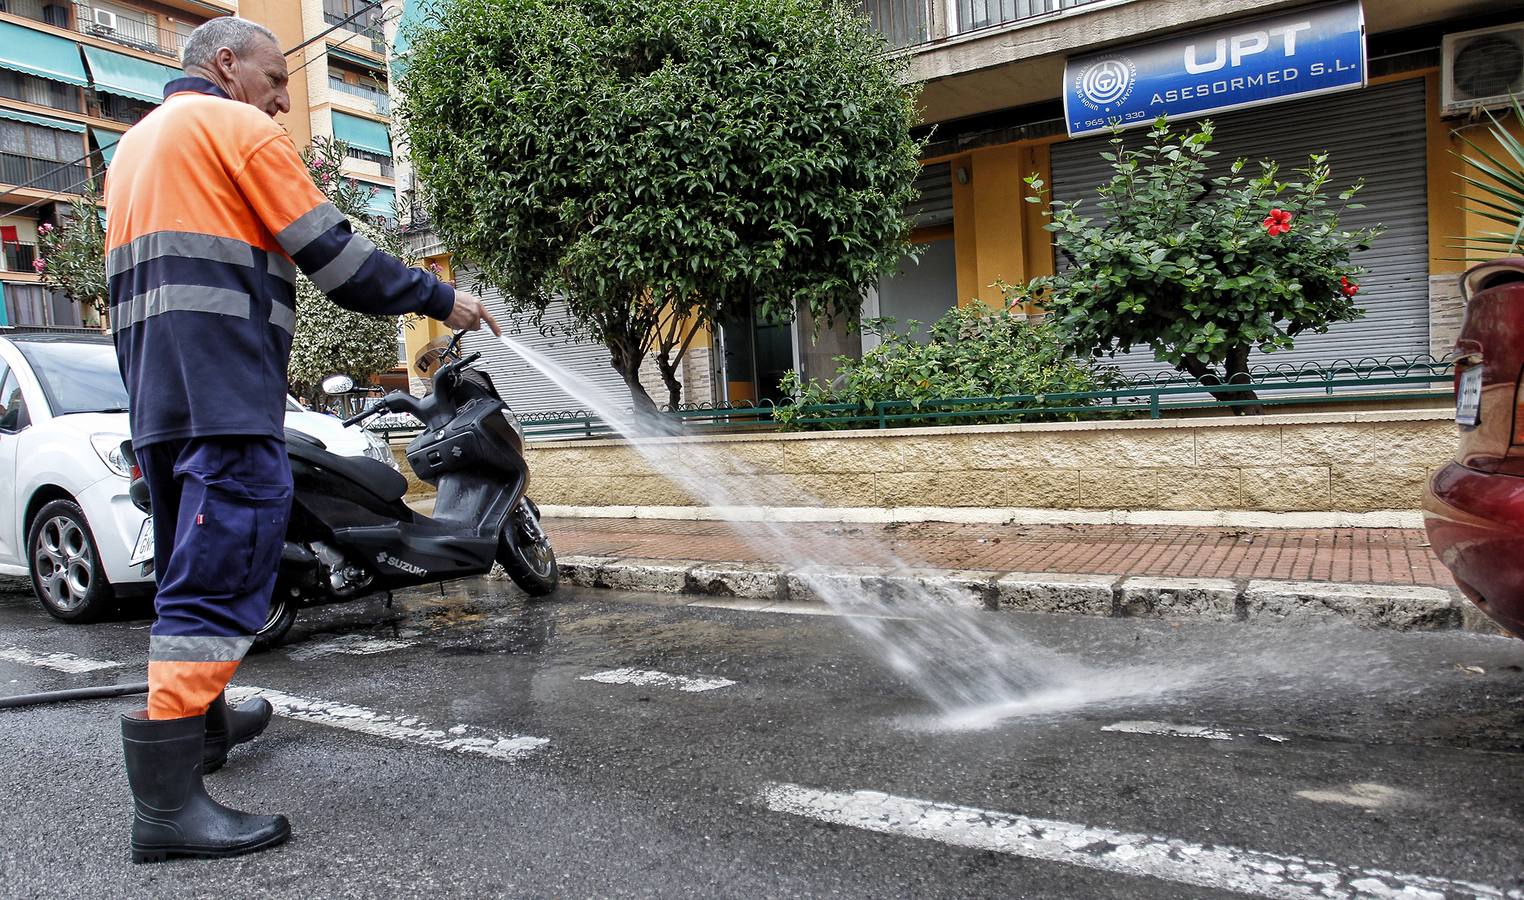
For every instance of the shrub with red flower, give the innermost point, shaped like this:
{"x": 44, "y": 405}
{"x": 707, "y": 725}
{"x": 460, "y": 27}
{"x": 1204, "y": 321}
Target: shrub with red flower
{"x": 1278, "y": 222}
{"x": 71, "y": 255}
{"x": 1172, "y": 259}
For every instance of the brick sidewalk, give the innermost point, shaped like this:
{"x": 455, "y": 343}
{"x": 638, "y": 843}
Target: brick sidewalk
{"x": 1346, "y": 555}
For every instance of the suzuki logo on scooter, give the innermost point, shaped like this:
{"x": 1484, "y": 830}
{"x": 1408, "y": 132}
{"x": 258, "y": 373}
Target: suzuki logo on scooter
{"x": 400, "y": 564}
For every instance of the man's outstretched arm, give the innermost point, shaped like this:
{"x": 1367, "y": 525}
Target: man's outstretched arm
{"x": 345, "y": 265}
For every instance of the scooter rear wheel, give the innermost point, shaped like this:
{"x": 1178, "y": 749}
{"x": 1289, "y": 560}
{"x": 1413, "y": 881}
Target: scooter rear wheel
{"x": 525, "y": 553}
{"x": 282, "y": 615}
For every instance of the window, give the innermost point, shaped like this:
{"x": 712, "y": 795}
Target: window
{"x": 13, "y": 415}
{"x": 39, "y": 143}
{"x": 41, "y": 92}
{"x": 78, "y": 377}
{"x": 37, "y": 306}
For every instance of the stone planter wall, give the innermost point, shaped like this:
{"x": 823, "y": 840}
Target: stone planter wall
{"x": 1345, "y": 462}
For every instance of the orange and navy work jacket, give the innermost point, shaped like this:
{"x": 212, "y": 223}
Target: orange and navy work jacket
{"x": 209, "y": 213}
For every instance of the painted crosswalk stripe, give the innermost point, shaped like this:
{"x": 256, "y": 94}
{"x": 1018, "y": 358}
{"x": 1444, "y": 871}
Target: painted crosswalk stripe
{"x": 1202, "y": 732}
{"x": 1143, "y": 855}
{"x": 647, "y": 678}
{"x": 348, "y": 645}
{"x": 408, "y": 729}
{"x": 58, "y": 662}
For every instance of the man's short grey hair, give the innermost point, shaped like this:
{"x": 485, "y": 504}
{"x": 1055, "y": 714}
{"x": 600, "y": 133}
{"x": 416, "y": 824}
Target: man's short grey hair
{"x": 238, "y": 35}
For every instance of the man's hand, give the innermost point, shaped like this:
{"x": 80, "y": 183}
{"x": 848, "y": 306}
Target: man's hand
{"x": 469, "y": 313}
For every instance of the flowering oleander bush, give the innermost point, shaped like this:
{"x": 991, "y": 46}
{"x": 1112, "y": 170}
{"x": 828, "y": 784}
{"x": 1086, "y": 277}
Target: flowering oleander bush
{"x": 71, "y": 256}
{"x": 1201, "y": 270}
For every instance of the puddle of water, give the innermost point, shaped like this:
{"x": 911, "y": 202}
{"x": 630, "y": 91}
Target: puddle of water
{"x": 976, "y": 669}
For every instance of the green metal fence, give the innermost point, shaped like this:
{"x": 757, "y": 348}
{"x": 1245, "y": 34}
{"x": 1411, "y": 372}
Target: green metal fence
{"x": 1339, "y": 382}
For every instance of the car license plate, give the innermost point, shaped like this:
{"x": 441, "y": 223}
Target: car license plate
{"x": 1468, "y": 398}
{"x": 142, "y": 552}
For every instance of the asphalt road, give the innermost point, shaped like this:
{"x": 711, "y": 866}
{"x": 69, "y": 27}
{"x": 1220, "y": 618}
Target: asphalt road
{"x": 466, "y": 743}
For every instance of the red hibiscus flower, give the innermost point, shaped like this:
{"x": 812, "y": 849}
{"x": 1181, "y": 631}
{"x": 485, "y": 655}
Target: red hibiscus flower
{"x": 1348, "y": 287}
{"x": 1278, "y": 222}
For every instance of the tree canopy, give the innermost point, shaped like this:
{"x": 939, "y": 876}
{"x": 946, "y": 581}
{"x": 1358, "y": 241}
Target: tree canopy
{"x": 662, "y": 163}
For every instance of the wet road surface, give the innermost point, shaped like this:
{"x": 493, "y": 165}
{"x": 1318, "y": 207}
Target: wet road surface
{"x": 601, "y": 745}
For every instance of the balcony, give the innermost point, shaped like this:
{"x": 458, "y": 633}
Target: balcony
{"x": 378, "y": 97}
{"x": 18, "y": 257}
{"x": 130, "y": 31}
{"x": 40, "y": 174}
{"x": 913, "y": 23}
{"x": 347, "y": 14}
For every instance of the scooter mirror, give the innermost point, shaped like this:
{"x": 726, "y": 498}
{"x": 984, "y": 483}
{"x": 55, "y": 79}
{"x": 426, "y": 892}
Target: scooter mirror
{"x": 338, "y": 384}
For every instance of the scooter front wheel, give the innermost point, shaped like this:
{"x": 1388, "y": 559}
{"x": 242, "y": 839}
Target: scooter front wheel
{"x": 525, "y": 553}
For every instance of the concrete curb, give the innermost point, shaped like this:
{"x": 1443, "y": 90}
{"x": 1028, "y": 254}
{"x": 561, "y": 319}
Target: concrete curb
{"x": 1257, "y": 602}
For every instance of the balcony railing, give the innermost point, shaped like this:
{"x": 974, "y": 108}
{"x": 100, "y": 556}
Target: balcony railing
{"x": 912, "y": 23}
{"x": 102, "y": 23}
{"x": 18, "y": 257}
{"x": 379, "y": 97}
{"x": 39, "y": 174}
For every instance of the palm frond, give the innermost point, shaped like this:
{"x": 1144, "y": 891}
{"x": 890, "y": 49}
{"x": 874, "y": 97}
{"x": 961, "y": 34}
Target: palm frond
{"x": 1501, "y": 187}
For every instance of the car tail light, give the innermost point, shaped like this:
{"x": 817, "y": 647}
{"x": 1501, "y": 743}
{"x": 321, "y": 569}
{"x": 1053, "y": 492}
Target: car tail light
{"x": 1518, "y": 412}
{"x": 137, "y": 471}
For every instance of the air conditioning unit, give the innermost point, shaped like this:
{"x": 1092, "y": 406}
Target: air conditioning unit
{"x": 105, "y": 19}
{"x": 1483, "y": 68}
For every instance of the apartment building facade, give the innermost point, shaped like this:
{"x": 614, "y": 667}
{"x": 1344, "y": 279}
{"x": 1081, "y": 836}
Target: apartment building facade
{"x": 75, "y": 76}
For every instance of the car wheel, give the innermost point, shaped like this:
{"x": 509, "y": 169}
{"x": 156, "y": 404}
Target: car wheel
{"x": 67, "y": 575}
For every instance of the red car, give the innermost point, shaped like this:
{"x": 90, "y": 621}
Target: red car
{"x": 1474, "y": 507}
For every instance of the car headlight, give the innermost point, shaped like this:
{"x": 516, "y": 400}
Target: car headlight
{"x": 379, "y": 450}
{"x": 109, "y": 448}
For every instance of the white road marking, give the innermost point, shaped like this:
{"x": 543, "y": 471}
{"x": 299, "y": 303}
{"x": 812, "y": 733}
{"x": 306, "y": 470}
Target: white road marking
{"x": 1367, "y": 795}
{"x": 348, "y": 645}
{"x": 408, "y": 729}
{"x": 645, "y": 678}
{"x": 58, "y": 662}
{"x": 1104, "y": 849}
{"x": 1169, "y": 729}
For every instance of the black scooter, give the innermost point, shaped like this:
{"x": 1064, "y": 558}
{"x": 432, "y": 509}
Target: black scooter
{"x": 351, "y": 536}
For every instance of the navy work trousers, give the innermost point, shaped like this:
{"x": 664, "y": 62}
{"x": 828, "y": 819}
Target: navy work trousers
{"x": 220, "y": 506}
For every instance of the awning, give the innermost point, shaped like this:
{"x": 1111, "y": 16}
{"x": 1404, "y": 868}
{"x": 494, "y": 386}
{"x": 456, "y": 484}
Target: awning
{"x": 42, "y": 121}
{"x": 128, "y": 76}
{"x": 415, "y": 14}
{"x": 362, "y": 134}
{"x": 106, "y": 140}
{"x": 41, "y": 55}
{"x": 384, "y": 203}
{"x": 356, "y": 59}
{"x": 5, "y": 321}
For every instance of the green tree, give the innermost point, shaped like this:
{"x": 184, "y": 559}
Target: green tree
{"x": 660, "y": 163}
{"x": 71, "y": 256}
{"x": 330, "y": 339}
{"x": 1202, "y": 270}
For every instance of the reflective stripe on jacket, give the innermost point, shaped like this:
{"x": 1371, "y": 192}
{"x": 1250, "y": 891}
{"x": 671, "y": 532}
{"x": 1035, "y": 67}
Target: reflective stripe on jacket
{"x": 210, "y": 212}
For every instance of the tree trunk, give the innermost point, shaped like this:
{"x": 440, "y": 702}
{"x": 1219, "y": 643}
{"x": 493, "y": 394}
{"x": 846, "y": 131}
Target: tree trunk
{"x": 1236, "y": 368}
{"x": 668, "y": 367}
{"x": 626, "y": 361}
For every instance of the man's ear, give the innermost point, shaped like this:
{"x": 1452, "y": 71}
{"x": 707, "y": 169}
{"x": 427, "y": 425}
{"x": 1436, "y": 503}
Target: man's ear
{"x": 226, "y": 60}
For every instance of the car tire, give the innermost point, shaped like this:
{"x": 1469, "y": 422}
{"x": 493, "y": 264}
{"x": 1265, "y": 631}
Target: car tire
{"x": 68, "y": 578}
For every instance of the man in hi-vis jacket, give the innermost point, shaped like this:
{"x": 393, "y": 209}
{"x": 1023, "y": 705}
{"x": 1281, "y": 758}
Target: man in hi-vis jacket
{"x": 210, "y": 212}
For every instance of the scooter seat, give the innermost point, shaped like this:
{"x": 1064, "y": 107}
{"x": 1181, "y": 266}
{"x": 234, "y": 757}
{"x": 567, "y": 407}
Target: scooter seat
{"x": 378, "y": 478}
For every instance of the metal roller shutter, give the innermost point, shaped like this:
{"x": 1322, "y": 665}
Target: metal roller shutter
{"x": 935, "y": 203}
{"x": 1378, "y": 133}
{"x": 525, "y": 389}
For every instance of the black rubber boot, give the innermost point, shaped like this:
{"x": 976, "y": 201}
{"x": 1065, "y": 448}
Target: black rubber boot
{"x": 172, "y": 815}
{"x": 228, "y": 726}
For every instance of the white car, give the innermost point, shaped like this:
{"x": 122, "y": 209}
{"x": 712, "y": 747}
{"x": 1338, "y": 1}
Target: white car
{"x": 65, "y": 518}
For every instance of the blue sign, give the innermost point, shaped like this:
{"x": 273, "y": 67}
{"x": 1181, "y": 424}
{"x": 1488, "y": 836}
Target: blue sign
{"x": 1312, "y": 51}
